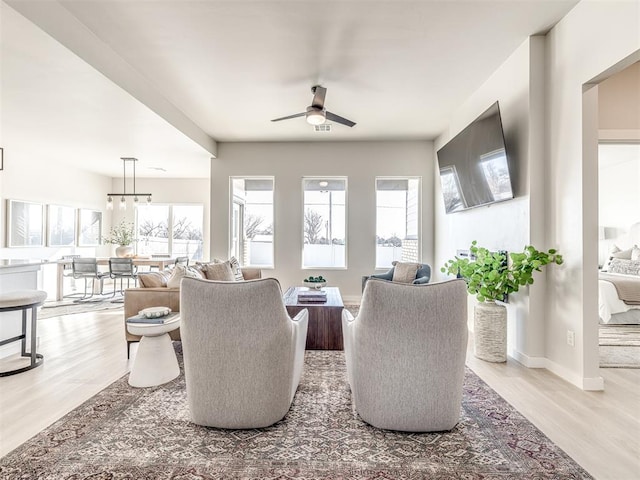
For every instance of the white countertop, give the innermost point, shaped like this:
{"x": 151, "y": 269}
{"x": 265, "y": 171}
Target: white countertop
{"x": 14, "y": 264}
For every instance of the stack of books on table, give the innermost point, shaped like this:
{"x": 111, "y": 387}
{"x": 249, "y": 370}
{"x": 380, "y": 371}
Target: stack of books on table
{"x": 140, "y": 318}
{"x": 312, "y": 296}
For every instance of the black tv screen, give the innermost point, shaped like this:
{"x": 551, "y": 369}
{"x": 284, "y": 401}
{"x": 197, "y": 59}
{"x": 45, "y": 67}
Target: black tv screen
{"x": 474, "y": 167}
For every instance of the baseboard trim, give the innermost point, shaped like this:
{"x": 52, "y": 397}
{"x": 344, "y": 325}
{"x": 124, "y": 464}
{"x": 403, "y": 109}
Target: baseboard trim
{"x": 583, "y": 383}
{"x": 351, "y": 299}
{"x": 527, "y": 361}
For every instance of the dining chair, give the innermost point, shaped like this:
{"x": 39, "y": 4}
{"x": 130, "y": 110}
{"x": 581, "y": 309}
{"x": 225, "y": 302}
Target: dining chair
{"x": 67, "y": 272}
{"x": 87, "y": 269}
{"x": 119, "y": 269}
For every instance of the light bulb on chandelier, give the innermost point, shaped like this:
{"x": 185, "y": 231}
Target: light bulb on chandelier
{"x": 123, "y": 196}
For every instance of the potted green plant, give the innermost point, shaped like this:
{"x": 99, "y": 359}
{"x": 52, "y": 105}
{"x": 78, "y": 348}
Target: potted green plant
{"x": 123, "y": 236}
{"x": 491, "y": 276}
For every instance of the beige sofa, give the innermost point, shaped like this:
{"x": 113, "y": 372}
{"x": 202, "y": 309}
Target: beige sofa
{"x": 136, "y": 299}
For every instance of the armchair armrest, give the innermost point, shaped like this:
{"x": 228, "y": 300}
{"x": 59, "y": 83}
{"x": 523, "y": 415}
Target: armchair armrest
{"x": 383, "y": 276}
{"x": 347, "y": 316}
{"x": 348, "y": 326}
{"x": 300, "y": 323}
{"x": 421, "y": 281}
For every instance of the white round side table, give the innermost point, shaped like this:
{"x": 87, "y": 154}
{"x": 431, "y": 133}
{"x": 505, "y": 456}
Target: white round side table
{"x": 156, "y": 361}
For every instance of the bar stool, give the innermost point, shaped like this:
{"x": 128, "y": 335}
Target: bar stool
{"x": 24, "y": 300}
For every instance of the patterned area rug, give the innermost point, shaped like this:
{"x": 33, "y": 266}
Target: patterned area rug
{"x": 620, "y": 346}
{"x": 67, "y": 307}
{"x": 127, "y": 433}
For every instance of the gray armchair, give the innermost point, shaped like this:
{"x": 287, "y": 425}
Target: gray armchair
{"x": 405, "y": 354}
{"x": 243, "y": 354}
{"x": 423, "y": 275}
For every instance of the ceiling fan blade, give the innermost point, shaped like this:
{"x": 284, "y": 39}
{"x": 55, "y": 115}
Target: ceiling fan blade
{"x": 290, "y": 116}
{"x": 338, "y": 119}
{"x": 318, "y": 97}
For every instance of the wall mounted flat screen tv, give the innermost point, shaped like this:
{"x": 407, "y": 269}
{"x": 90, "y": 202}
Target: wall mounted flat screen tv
{"x": 474, "y": 167}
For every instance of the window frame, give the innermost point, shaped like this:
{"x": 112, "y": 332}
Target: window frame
{"x": 346, "y": 221}
{"x": 170, "y": 222}
{"x": 419, "y": 215}
{"x": 241, "y": 220}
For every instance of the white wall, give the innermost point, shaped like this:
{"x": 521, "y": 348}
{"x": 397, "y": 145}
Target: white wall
{"x": 510, "y": 225}
{"x": 593, "y": 37}
{"x": 619, "y": 105}
{"x": 361, "y": 162}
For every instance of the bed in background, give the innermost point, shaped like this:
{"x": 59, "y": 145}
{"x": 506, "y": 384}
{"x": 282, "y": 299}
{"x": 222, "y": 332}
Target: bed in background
{"x": 619, "y": 282}
{"x": 619, "y": 298}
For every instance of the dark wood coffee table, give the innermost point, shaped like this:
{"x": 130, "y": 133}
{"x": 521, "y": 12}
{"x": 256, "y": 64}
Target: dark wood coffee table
{"x": 325, "y": 319}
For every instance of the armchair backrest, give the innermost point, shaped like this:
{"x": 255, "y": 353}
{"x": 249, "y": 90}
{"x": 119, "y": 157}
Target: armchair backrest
{"x": 424, "y": 271}
{"x": 407, "y": 352}
{"x": 238, "y": 352}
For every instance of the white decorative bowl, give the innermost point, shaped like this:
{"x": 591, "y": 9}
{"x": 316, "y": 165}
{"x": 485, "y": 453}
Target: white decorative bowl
{"x": 316, "y": 285}
{"x": 155, "y": 312}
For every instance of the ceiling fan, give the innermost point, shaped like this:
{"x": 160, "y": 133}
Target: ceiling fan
{"x": 316, "y": 113}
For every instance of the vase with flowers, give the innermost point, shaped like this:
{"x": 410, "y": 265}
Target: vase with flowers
{"x": 123, "y": 236}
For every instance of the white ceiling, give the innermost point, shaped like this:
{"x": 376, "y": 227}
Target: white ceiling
{"x": 398, "y": 69}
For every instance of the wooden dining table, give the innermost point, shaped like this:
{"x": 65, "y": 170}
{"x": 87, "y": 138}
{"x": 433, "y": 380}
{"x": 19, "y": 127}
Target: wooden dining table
{"x": 65, "y": 264}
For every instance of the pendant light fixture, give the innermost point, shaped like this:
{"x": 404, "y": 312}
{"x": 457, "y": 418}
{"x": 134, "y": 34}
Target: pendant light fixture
{"x": 123, "y": 196}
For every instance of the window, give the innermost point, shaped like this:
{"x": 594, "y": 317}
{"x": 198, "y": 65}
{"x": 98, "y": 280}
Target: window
{"x": 175, "y": 230}
{"x": 251, "y": 226}
{"x": 397, "y": 220}
{"x": 325, "y": 202}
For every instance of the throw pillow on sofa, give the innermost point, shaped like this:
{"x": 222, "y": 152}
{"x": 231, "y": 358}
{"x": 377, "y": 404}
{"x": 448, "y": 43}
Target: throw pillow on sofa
{"x": 179, "y": 272}
{"x": 235, "y": 268}
{"x": 219, "y": 271}
{"x": 405, "y": 272}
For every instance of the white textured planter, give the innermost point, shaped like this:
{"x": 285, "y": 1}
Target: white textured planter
{"x": 490, "y": 332}
{"x": 124, "y": 251}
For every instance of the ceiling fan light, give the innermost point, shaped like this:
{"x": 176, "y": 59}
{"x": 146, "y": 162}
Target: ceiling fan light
{"x": 315, "y": 117}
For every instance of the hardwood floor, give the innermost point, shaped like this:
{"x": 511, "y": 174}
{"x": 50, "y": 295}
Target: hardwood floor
{"x": 86, "y": 352}
{"x": 599, "y": 430}
{"x": 83, "y": 353}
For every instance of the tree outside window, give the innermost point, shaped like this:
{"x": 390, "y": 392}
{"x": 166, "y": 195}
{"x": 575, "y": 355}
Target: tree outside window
{"x": 175, "y": 230}
{"x": 324, "y": 223}
{"x": 252, "y": 236}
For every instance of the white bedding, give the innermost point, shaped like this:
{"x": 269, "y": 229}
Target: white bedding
{"x": 608, "y": 301}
